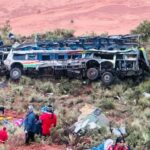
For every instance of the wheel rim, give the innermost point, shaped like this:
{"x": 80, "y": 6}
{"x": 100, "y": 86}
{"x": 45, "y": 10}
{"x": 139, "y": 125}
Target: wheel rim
{"x": 15, "y": 73}
{"x": 92, "y": 73}
{"x": 107, "y": 78}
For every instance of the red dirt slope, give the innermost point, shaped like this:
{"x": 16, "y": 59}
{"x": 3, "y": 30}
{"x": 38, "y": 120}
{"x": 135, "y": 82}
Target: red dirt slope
{"x": 39, "y": 147}
{"x": 85, "y": 16}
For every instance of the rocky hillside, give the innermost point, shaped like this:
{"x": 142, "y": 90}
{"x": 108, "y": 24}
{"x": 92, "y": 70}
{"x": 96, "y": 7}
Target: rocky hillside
{"x": 84, "y": 16}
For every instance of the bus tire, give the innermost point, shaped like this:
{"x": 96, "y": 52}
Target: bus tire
{"x": 92, "y": 73}
{"x": 107, "y": 78}
{"x": 15, "y": 73}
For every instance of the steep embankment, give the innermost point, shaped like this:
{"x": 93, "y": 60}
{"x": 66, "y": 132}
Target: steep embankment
{"x": 84, "y": 16}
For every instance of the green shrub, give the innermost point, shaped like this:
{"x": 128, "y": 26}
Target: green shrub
{"x": 2, "y": 100}
{"x": 97, "y": 135}
{"x": 145, "y": 86}
{"x": 26, "y": 81}
{"x": 144, "y": 29}
{"x": 147, "y": 113}
{"x": 147, "y": 143}
{"x": 17, "y": 89}
{"x": 108, "y": 104}
{"x": 135, "y": 137}
{"x": 132, "y": 96}
{"x": 46, "y": 87}
{"x": 4, "y": 31}
{"x": 74, "y": 87}
{"x": 57, "y": 34}
{"x": 144, "y": 102}
{"x": 34, "y": 97}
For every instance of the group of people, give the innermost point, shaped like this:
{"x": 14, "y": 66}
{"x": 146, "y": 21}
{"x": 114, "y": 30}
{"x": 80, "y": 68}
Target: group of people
{"x": 39, "y": 124}
{"x": 43, "y": 123}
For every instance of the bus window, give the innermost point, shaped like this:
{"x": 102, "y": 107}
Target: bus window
{"x": 53, "y": 56}
{"x": 107, "y": 56}
{"x": 5, "y": 56}
{"x": 18, "y": 57}
{"x": 46, "y": 57}
{"x": 1, "y": 56}
{"x": 69, "y": 56}
{"x": 97, "y": 55}
{"x": 76, "y": 56}
{"x": 32, "y": 56}
{"x": 61, "y": 57}
{"x": 87, "y": 55}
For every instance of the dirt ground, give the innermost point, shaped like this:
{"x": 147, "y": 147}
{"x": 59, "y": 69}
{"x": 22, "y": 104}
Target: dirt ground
{"x": 34, "y": 146}
{"x": 39, "y": 147}
{"x": 84, "y": 16}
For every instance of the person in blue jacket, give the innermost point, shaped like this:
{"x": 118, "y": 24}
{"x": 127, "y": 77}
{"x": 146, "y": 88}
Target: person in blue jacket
{"x": 38, "y": 125}
{"x": 29, "y": 125}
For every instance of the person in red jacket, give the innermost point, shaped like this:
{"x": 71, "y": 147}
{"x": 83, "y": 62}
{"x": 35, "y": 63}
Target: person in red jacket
{"x": 49, "y": 120}
{"x": 3, "y": 135}
{"x": 119, "y": 145}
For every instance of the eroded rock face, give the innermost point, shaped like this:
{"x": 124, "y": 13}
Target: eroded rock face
{"x": 112, "y": 16}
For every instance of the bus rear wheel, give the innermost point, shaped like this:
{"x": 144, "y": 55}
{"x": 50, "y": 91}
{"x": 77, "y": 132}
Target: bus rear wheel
{"x": 92, "y": 73}
{"x": 107, "y": 78}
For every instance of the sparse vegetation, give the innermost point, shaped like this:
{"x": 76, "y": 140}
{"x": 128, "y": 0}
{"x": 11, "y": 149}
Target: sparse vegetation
{"x": 108, "y": 104}
{"x": 4, "y": 30}
{"x": 56, "y": 34}
{"x": 73, "y": 87}
{"x": 144, "y": 29}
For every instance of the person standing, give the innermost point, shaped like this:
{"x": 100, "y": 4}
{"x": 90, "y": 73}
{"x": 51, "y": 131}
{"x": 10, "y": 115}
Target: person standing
{"x": 29, "y": 125}
{"x": 49, "y": 120}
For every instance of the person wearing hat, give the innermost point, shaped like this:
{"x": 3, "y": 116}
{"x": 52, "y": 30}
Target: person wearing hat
{"x": 29, "y": 125}
{"x": 48, "y": 119}
{"x": 119, "y": 145}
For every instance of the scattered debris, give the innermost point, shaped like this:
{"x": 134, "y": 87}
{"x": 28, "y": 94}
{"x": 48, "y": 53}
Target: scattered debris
{"x": 146, "y": 94}
{"x": 49, "y": 94}
{"x": 90, "y": 118}
{"x": 119, "y": 131}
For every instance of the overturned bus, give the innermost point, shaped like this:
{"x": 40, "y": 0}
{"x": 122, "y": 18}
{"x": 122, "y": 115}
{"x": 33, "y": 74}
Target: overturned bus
{"x": 92, "y": 64}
